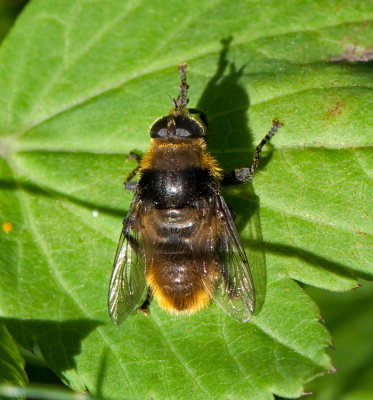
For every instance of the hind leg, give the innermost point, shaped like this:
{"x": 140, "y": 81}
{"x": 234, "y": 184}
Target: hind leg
{"x": 144, "y": 308}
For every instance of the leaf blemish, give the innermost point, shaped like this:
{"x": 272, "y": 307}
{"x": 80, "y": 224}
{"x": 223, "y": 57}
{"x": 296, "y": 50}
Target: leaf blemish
{"x": 336, "y": 109}
{"x": 7, "y": 227}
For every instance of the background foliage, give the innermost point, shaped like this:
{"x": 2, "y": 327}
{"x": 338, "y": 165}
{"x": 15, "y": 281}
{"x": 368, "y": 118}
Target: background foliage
{"x": 80, "y": 83}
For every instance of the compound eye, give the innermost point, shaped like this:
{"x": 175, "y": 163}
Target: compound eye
{"x": 159, "y": 128}
{"x": 187, "y": 126}
{"x": 183, "y": 126}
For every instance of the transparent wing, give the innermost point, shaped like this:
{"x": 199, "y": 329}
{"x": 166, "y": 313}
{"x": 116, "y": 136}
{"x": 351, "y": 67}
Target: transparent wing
{"x": 128, "y": 285}
{"x": 235, "y": 289}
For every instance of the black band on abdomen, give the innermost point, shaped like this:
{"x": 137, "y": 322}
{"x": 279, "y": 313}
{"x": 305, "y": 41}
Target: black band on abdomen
{"x": 174, "y": 188}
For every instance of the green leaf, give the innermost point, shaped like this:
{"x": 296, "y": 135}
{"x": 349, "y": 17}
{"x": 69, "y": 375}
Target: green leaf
{"x": 9, "y": 9}
{"x": 11, "y": 362}
{"x": 352, "y": 337}
{"x": 42, "y": 392}
{"x": 81, "y": 82}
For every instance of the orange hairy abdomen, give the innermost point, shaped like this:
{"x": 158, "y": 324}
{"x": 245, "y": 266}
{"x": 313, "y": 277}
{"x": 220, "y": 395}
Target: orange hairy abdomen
{"x": 179, "y": 284}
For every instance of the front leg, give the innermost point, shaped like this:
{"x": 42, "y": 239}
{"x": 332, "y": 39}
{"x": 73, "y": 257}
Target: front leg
{"x": 242, "y": 175}
{"x": 132, "y": 185}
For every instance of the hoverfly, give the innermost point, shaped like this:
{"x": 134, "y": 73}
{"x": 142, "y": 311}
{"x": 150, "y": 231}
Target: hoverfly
{"x": 179, "y": 243}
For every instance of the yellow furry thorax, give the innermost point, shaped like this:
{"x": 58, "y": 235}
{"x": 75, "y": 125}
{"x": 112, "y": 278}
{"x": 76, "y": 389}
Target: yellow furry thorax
{"x": 198, "y": 145}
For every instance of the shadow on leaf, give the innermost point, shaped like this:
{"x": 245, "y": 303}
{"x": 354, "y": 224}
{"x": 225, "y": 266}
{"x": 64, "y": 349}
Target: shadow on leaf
{"x": 308, "y": 257}
{"x": 225, "y": 102}
{"x": 32, "y": 188}
{"x": 57, "y": 343}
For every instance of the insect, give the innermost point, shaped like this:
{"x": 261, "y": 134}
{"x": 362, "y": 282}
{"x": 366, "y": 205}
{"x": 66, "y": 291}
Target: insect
{"x": 179, "y": 243}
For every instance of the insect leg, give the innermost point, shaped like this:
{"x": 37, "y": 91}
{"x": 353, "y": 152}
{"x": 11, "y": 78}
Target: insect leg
{"x": 131, "y": 186}
{"x": 242, "y": 175}
{"x": 144, "y": 308}
{"x": 127, "y": 184}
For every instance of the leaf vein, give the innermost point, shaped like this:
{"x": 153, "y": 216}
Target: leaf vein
{"x": 174, "y": 352}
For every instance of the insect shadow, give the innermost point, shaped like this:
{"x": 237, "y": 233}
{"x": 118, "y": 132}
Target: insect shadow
{"x": 226, "y": 102}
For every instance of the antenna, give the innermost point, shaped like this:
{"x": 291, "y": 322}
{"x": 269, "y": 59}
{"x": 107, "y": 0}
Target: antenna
{"x": 182, "y": 99}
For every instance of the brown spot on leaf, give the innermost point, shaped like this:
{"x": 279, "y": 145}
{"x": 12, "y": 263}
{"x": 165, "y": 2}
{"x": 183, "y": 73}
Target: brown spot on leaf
{"x": 360, "y": 233}
{"x": 354, "y": 54}
{"x": 336, "y": 109}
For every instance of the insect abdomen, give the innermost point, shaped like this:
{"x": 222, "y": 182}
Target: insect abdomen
{"x": 177, "y": 284}
{"x": 180, "y": 267}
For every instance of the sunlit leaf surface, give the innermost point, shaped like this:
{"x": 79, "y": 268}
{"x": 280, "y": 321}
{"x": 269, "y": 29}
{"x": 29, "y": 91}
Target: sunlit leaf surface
{"x": 80, "y": 84}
